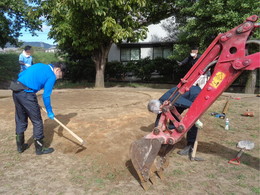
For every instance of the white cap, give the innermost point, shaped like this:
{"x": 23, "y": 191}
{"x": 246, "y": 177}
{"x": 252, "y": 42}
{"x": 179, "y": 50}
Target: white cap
{"x": 154, "y": 106}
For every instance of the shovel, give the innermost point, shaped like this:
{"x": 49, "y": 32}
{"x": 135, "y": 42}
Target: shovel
{"x": 193, "y": 157}
{"x": 243, "y": 145}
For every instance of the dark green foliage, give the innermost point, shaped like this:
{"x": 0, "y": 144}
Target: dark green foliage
{"x": 142, "y": 68}
{"x": 83, "y": 69}
{"x": 92, "y": 26}
{"x": 159, "y": 70}
{"x": 169, "y": 69}
{"x": 199, "y": 22}
{"x": 15, "y": 15}
{"x": 43, "y": 57}
{"x": 115, "y": 71}
{"x": 9, "y": 67}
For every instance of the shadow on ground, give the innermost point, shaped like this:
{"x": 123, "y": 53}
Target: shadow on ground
{"x": 50, "y": 125}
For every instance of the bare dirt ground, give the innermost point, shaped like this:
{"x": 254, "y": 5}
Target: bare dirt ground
{"x": 109, "y": 120}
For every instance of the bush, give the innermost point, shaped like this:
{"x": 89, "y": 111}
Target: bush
{"x": 80, "y": 70}
{"x": 115, "y": 71}
{"x": 45, "y": 58}
{"x": 166, "y": 70}
{"x": 9, "y": 66}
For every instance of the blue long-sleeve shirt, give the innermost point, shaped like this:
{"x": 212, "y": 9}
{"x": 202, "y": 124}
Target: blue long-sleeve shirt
{"x": 37, "y": 77}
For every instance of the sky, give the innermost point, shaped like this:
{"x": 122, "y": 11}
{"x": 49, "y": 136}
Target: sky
{"x": 42, "y": 36}
{"x": 154, "y": 29}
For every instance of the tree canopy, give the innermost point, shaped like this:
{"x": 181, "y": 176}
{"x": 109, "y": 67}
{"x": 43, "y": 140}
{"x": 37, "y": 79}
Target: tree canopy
{"x": 200, "y": 22}
{"x": 15, "y": 15}
{"x": 89, "y": 27}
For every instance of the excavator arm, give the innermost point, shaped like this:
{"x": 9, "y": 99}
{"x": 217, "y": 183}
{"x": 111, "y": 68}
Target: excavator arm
{"x": 227, "y": 56}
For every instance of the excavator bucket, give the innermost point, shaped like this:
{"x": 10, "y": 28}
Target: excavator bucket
{"x": 147, "y": 159}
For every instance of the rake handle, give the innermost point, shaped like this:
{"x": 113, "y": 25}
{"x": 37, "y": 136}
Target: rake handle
{"x": 71, "y": 132}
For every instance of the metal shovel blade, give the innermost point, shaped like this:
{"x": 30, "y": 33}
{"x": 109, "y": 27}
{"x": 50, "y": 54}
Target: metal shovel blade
{"x": 245, "y": 144}
{"x": 143, "y": 153}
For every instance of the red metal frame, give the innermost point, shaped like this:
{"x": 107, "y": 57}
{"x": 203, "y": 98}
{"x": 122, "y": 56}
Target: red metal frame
{"x": 229, "y": 52}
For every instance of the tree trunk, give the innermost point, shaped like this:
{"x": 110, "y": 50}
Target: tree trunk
{"x": 100, "y": 81}
{"x": 251, "y": 82}
{"x": 100, "y": 58}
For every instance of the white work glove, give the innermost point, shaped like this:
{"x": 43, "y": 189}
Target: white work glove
{"x": 199, "y": 124}
{"x": 27, "y": 65}
{"x": 179, "y": 63}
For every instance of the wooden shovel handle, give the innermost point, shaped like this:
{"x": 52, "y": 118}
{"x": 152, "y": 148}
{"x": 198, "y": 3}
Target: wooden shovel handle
{"x": 71, "y": 132}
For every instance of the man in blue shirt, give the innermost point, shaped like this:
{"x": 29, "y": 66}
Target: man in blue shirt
{"x": 37, "y": 77}
{"x": 25, "y": 58}
{"x": 182, "y": 103}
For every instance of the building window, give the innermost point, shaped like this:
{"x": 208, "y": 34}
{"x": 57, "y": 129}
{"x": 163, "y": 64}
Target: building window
{"x": 128, "y": 54}
{"x": 157, "y": 52}
{"x": 167, "y": 52}
{"x": 147, "y": 52}
{"x": 160, "y": 52}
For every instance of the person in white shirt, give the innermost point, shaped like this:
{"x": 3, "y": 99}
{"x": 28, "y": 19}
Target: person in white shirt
{"x": 25, "y": 58}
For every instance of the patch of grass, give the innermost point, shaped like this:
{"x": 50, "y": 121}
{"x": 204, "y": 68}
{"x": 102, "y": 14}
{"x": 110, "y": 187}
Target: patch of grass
{"x": 115, "y": 191}
{"x": 178, "y": 172}
{"x": 64, "y": 84}
{"x": 110, "y": 176}
{"x": 231, "y": 193}
{"x": 236, "y": 168}
{"x": 7, "y": 151}
{"x": 175, "y": 185}
{"x": 243, "y": 185}
{"x": 17, "y": 157}
{"x": 211, "y": 176}
{"x": 231, "y": 143}
{"x": 9, "y": 164}
{"x": 255, "y": 190}
{"x": 78, "y": 178}
{"x": 254, "y": 136}
{"x": 99, "y": 181}
{"x": 223, "y": 169}
{"x": 245, "y": 162}
{"x": 241, "y": 177}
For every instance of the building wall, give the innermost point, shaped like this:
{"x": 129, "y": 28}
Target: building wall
{"x": 114, "y": 53}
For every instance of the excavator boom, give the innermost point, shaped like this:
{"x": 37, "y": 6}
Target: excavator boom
{"x": 227, "y": 56}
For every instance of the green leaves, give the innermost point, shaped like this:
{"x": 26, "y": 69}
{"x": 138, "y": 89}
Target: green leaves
{"x": 203, "y": 20}
{"x": 84, "y": 26}
{"x": 14, "y": 15}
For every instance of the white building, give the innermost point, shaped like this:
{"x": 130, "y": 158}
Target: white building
{"x": 151, "y": 47}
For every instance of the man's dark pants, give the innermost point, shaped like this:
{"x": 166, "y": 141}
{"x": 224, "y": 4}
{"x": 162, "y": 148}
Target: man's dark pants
{"x": 191, "y": 134}
{"x": 26, "y": 106}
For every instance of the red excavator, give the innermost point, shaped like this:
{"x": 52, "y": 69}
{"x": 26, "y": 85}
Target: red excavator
{"x": 228, "y": 57}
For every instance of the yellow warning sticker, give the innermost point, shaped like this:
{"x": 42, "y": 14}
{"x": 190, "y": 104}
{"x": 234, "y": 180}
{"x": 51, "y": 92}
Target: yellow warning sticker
{"x": 218, "y": 78}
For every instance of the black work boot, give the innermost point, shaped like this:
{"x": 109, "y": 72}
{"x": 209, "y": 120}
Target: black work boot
{"x": 39, "y": 149}
{"x": 21, "y": 146}
{"x": 185, "y": 151}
